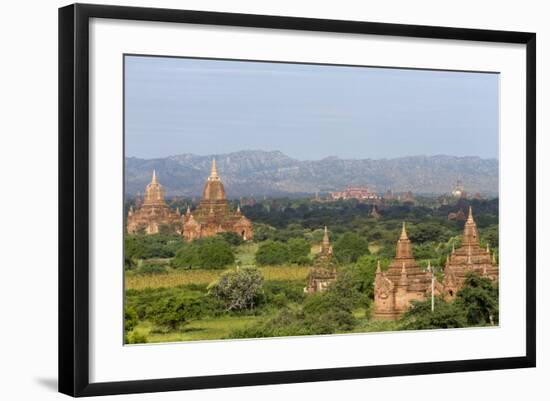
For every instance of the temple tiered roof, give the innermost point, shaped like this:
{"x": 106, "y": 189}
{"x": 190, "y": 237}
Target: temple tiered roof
{"x": 213, "y": 214}
{"x": 153, "y": 213}
{"x": 470, "y": 257}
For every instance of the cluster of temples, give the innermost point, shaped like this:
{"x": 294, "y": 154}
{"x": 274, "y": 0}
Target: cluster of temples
{"x": 153, "y": 212}
{"x": 212, "y": 216}
{"x": 405, "y": 281}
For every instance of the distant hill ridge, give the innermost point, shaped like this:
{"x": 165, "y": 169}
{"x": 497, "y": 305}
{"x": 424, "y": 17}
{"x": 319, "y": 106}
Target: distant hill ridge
{"x": 272, "y": 173}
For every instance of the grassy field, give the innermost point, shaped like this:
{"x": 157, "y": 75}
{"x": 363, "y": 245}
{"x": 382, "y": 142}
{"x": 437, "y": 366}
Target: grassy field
{"x": 176, "y": 278}
{"x": 244, "y": 257}
{"x": 205, "y": 329}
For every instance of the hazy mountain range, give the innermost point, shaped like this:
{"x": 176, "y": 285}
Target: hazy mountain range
{"x": 258, "y": 173}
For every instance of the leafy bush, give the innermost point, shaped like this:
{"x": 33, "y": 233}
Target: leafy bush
{"x": 263, "y": 232}
{"x": 272, "y": 253}
{"x": 427, "y": 232}
{"x": 135, "y": 338}
{"x": 151, "y": 268}
{"x": 283, "y": 291}
{"x": 187, "y": 256}
{"x": 445, "y": 315}
{"x": 479, "y": 300}
{"x": 130, "y": 318}
{"x": 238, "y": 289}
{"x": 176, "y": 310}
{"x": 490, "y": 235}
{"x": 298, "y": 251}
{"x": 349, "y": 247}
{"x": 363, "y": 275}
{"x": 231, "y": 238}
{"x": 205, "y": 253}
{"x": 151, "y": 246}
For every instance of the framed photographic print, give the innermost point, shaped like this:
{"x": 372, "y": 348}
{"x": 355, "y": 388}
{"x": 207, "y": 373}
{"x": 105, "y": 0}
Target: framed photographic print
{"x": 250, "y": 199}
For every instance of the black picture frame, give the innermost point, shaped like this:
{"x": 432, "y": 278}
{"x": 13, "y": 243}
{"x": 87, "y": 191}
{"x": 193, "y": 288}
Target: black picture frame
{"x": 74, "y": 198}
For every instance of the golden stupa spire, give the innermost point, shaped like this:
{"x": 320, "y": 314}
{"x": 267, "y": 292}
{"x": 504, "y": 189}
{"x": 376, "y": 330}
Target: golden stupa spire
{"x": 403, "y": 232}
{"x": 470, "y": 215}
{"x": 154, "y": 179}
{"x": 378, "y": 269}
{"x": 325, "y": 246}
{"x": 214, "y": 171}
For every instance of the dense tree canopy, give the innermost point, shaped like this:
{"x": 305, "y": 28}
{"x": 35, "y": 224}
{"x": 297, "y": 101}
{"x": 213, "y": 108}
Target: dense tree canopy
{"x": 272, "y": 253}
{"x": 205, "y": 253}
{"x": 349, "y": 247}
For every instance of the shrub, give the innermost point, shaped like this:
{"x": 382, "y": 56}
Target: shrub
{"x": 151, "y": 246}
{"x": 187, "y": 257}
{"x": 206, "y": 253}
{"x": 298, "y": 250}
{"x": 238, "y": 289}
{"x": 130, "y": 318}
{"x": 176, "y": 310}
{"x": 215, "y": 253}
{"x": 151, "y": 268}
{"x": 445, "y": 315}
{"x": 479, "y": 299}
{"x": 427, "y": 232}
{"x": 231, "y": 238}
{"x": 136, "y": 338}
{"x": 272, "y": 253}
{"x": 289, "y": 291}
{"x": 363, "y": 275}
{"x": 349, "y": 247}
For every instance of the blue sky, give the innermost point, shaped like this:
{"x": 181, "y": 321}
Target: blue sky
{"x": 178, "y": 105}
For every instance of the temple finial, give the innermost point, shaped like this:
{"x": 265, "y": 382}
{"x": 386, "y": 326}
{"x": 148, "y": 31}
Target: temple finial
{"x": 238, "y": 208}
{"x": 470, "y": 215}
{"x": 154, "y": 179}
{"x": 429, "y": 266}
{"x": 494, "y": 258}
{"x": 325, "y": 246}
{"x": 454, "y": 248}
{"x": 404, "y": 232}
{"x": 378, "y": 269}
{"x": 214, "y": 170}
{"x": 488, "y": 250}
